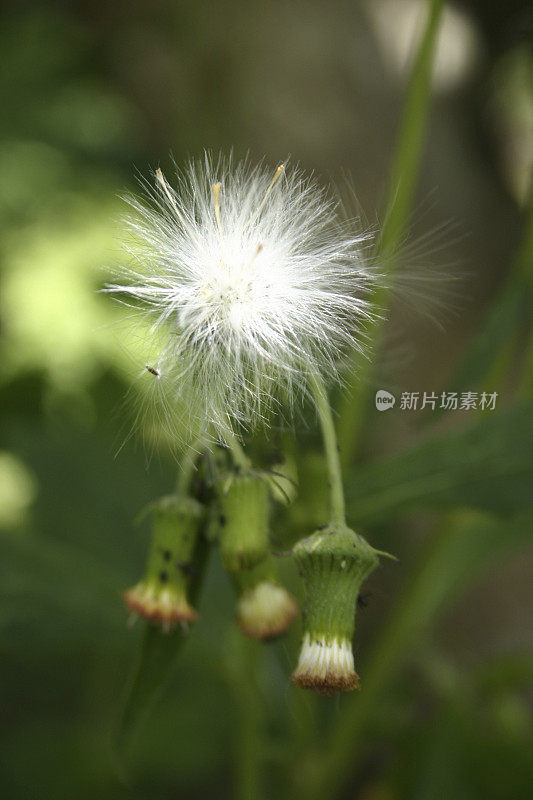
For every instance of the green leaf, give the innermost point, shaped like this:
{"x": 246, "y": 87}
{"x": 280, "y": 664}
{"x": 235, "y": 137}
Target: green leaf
{"x": 487, "y": 466}
{"x": 494, "y": 344}
{"x": 498, "y": 329}
{"x": 405, "y": 168}
{"x": 56, "y": 595}
{"x": 153, "y": 669}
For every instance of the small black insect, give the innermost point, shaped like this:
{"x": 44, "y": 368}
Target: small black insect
{"x": 153, "y": 371}
{"x": 187, "y": 569}
{"x": 364, "y": 599}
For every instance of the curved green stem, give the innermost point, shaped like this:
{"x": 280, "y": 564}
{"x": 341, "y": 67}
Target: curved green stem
{"x": 338, "y": 512}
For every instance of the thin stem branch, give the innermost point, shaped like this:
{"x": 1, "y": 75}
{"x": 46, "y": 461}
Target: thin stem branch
{"x": 338, "y": 513}
{"x": 188, "y": 466}
{"x": 237, "y": 451}
{"x": 249, "y": 756}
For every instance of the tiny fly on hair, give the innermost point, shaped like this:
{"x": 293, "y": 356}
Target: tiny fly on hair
{"x": 153, "y": 371}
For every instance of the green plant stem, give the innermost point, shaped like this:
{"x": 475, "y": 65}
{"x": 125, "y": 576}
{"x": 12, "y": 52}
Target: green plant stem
{"x": 237, "y": 452}
{"x": 400, "y": 197}
{"x": 338, "y": 511}
{"x": 250, "y": 728}
{"x": 248, "y": 762}
{"x": 188, "y": 466}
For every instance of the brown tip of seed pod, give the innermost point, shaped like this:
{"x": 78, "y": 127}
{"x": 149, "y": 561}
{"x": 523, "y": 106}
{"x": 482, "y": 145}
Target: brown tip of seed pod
{"x": 327, "y": 684}
{"x": 165, "y": 606}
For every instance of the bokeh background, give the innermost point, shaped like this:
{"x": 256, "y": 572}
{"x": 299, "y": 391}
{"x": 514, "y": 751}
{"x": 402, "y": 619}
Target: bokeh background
{"x": 92, "y": 92}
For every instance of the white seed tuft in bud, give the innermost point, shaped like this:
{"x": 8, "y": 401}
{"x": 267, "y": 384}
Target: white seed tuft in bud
{"x": 326, "y": 666}
{"x": 266, "y": 610}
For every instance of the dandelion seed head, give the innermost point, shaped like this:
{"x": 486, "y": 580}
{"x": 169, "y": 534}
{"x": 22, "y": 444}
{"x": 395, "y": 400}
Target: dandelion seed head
{"x": 252, "y": 279}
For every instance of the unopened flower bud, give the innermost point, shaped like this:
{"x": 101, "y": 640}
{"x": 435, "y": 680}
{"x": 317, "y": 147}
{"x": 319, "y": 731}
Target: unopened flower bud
{"x": 161, "y": 595}
{"x": 334, "y": 562}
{"x": 265, "y": 609}
{"x": 244, "y": 506}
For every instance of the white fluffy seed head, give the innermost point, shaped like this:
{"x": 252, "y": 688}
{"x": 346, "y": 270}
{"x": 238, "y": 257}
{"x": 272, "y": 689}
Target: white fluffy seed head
{"x": 253, "y": 280}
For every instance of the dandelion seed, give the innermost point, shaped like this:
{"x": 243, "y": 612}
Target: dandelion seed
{"x": 253, "y": 282}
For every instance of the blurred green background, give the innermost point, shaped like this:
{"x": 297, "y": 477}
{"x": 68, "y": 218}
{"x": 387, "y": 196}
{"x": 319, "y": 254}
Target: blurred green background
{"x": 92, "y": 92}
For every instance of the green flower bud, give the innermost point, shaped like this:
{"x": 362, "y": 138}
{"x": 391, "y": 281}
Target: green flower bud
{"x": 265, "y": 609}
{"x": 334, "y": 562}
{"x": 161, "y": 595}
{"x": 244, "y": 507}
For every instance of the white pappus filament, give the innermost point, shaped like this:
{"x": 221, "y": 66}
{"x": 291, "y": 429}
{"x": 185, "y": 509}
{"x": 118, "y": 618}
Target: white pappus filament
{"x": 253, "y": 280}
{"x": 321, "y": 660}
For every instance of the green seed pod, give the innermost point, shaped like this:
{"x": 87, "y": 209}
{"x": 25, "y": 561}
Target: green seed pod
{"x": 265, "y": 609}
{"x": 161, "y": 595}
{"x": 244, "y": 507}
{"x": 333, "y": 562}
